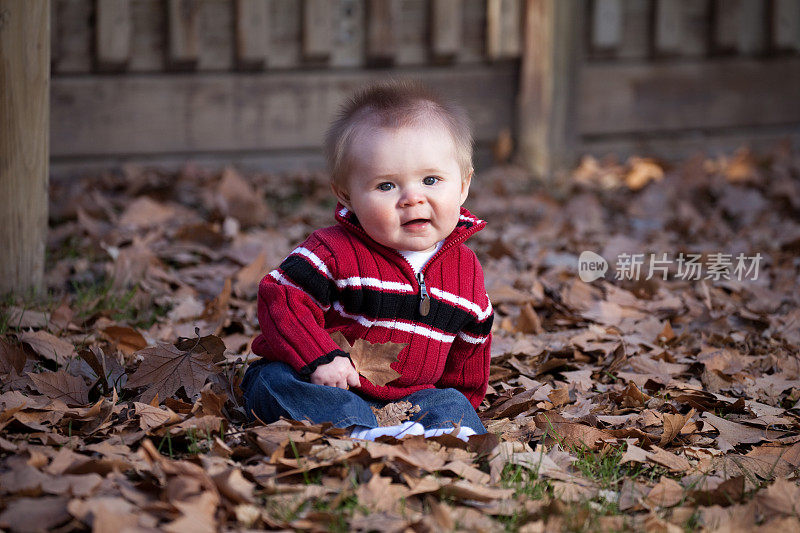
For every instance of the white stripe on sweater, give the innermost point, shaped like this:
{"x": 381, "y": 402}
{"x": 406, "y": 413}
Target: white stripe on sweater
{"x": 482, "y": 314}
{"x": 374, "y": 283}
{"x": 472, "y": 340}
{"x": 415, "y": 329}
{"x": 305, "y": 252}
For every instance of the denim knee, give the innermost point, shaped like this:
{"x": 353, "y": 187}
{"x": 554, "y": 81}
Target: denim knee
{"x": 273, "y": 390}
{"x": 440, "y": 408}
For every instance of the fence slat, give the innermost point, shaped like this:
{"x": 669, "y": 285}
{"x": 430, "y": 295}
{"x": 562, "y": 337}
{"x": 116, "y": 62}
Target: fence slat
{"x": 382, "y": 18}
{"x": 179, "y": 113}
{"x": 113, "y": 33}
{"x": 786, "y": 25}
{"x": 606, "y": 24}
{"x": 183, "y": 27}
{"x": 24, "y": 84}
{"x": 668, "y": 26}
{"x": 503, "y": 19}
{"x": 347, "y": 48}
{"x": 547, "y": 84}
{"x": 317, "y": 15}
{"x": 446, "y": 27}
{"x": 252, "y": 33}
{"x": 739, "y": 26}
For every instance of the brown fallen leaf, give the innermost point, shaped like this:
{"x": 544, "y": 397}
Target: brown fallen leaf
{"x": 197, "y": 514}
{"x": 12, "y": 357}
{"x": 62, "y": 386}
{"x": 48, "y": 345}
{"x": 35, "y": 514}
{"x": 395, "y": 413}
{"x": 781, "y": 497}
{"x": 666, "y": 493}
{"x": 164, "y": 369}
{"x": 732, "y": 433}
{"x": 247, "y": 279}
{"x": 105, "y": 367}
{"x": 372, "y": 360}
{"x": 673, "y": 424}
{"x": 126, "y": 339}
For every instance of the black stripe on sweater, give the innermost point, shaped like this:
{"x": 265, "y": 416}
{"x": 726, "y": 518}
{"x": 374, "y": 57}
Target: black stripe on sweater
{"x": 375, "y": 304}
{"x": 303, "y": 274}
{"x": 480, "y": 329}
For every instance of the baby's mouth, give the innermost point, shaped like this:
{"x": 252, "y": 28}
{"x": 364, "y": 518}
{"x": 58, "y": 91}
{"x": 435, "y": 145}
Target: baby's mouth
{"x": 416, "y": 222}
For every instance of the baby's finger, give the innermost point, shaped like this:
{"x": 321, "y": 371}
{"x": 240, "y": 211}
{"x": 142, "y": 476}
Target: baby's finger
{"x": 353, "y": 380}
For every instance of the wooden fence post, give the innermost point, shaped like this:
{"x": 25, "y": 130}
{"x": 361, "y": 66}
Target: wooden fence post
{"x": 24, "y": 141}
{"x": 551, "y": 46}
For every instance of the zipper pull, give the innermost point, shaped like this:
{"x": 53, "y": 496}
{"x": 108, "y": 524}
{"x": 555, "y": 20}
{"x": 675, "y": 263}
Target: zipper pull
{"x": 424, "y": 298}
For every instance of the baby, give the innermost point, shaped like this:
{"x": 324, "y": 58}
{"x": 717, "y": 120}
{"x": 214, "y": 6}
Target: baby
{"x": 394, "y": 269}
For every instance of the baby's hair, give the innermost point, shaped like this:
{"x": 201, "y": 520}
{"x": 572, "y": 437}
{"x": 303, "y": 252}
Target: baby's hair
{"x": 395, "y": 104}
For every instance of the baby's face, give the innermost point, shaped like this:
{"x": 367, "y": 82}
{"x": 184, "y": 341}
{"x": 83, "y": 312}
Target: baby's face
{"x": 405, "y": 186}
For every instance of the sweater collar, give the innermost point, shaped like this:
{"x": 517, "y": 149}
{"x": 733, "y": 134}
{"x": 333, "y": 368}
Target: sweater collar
{"x": 468, "y": 225}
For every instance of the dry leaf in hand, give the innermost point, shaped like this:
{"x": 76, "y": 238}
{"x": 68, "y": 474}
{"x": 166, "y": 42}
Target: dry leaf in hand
{"x": 372, "y": 360}
{"x": 166, "y": 368}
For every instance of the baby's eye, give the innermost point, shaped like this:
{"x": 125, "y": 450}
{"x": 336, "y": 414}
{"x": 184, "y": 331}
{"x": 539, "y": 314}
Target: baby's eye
{"x": 385, "y": 186}
{"x": 430, "y": 180}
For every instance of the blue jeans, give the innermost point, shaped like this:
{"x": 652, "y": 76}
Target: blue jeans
{"x": 273, "y": 390}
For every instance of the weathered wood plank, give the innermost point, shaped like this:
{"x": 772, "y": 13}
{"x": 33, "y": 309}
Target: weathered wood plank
{"x": 668, "y": 26}
{"x": 412, "y": 36}
{"x": 73, "y": 36}
{"x": 786, "y": 25}
{"x": 149, "y": 39}
{"x": 607, "y": 17}
{"x": 252, "y": 33}
{"x": 186, "y": 113}
{"x": 636, "y": 32}
{"x": 217, "y": 42}
{"x": 473, "y": 32}
{"x": 382, "y": 19}
{"x": 317, "y": 22}
{"x": 112, "y": 34}
{"x": 677, "y": 147}
{"x": 682, "y": 27}
{"x": 286, "y": 35}
{"x": 183, "y": 18}
{"x": 547, "y": 84}
{"x": 503, "y": 19}
{"x": 739, "y": 26}
{"x": 625, "y": 98}
{"x": 446, "y": 28}
{"x": 24, "y": 78}
{"x": 348, "y": 34}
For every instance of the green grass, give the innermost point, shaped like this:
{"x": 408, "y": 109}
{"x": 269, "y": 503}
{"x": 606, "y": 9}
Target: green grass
{"x": 87, "y": 301}
{"x": 100, "y": 299}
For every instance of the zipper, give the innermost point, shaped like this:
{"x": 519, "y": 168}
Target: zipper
{"x": 424, "y": 297}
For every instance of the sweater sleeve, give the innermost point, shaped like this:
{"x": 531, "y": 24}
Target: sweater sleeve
{"x": 467, "y": 366}
{"x": 292, "y": 301}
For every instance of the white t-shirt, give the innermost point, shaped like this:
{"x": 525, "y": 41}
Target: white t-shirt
{"x": 417, "y": 260}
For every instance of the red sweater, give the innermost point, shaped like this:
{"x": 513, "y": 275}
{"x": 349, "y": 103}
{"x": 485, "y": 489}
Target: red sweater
{"x": 340, "y": 279}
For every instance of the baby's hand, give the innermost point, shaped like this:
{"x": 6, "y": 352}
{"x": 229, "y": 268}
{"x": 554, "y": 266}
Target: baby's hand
{"x": 338, "y": 373}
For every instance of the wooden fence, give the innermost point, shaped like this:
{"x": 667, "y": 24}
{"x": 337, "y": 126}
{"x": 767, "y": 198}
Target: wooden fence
{"x": 256, "y": 81}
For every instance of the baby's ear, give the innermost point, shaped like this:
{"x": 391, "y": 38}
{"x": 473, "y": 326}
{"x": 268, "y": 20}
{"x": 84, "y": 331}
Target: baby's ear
{"x": 341, "y": 194}
{"x": 465, "y": 186}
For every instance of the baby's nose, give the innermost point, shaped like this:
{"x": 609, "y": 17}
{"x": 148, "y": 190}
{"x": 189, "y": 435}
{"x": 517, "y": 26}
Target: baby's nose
{"x": 411, "y": 196}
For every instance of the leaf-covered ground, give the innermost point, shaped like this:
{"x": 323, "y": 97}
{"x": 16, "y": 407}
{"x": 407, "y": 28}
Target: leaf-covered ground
{"x": 616, "y": 404}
